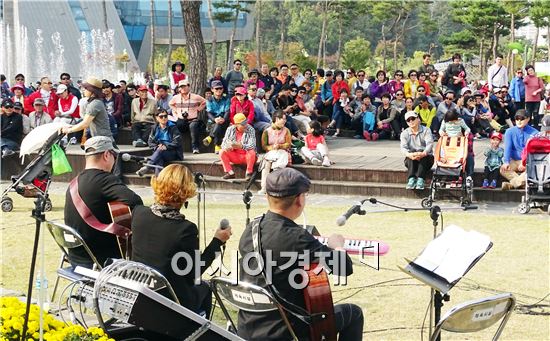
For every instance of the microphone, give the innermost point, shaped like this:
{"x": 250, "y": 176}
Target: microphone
{"x": 199, "y": 178}
{"x": 373, "y": 201}
{"x": 341, "y": 220}
{"x": 135, "y": 158}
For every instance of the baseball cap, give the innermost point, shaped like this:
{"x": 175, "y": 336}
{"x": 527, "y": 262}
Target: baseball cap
{"x": 142, "y": 88}
{"x": 410, "y": 114}
{"x": 240, "y": 90}
{"x": 38, "y": 101}
{"x": 286, "y": 182}
{"x": 183, "y": 82}
{"x": 217, "y": 84}
{"x": 18, "y": 105}
{"x": 545, "y": 123}
{"x": 98, "y": 144}
{"x": 240, "y": 119}
{"x": 496, "y": 135}
{"x": 7, "y": 103}
{"x": 61, "y": 88}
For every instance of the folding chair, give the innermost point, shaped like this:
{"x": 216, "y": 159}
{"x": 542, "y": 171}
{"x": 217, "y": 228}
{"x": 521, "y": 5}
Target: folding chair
{"x": 247, "y": 297}
{"x": 67, "y": 238}
{"x": 476, "y": 315}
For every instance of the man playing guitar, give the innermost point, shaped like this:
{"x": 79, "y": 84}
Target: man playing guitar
{"x": 277, "y": 238}
{"x": 90, "y": 192}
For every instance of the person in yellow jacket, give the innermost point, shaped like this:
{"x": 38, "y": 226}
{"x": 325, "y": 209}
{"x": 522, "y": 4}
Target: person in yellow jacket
{"x": 425, "y": 111}
{"x": 411, "y": 84}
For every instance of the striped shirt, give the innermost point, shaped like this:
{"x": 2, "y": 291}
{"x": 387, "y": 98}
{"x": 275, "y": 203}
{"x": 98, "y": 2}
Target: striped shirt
{"x": 248, "y": 139}
{"x": 191, "y": 104}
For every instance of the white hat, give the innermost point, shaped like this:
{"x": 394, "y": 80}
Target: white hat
{"x": 410, "y": 114}
{"x": 61, "y": 88}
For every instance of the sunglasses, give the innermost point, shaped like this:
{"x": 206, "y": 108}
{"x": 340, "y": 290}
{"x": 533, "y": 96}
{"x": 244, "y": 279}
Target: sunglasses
{"x": 218, "y": 88}
{"x": 163, "y": 116}
{"x": 400, "y": 94}
{"x": 449, "y": 98}
{"x": 47, "y": 83}
{"x": 65, "y": 79}
{"x": 302, "y": 92}
{"x": 434, "y": 75}
{"x": 113, "y": 153}
{"x": 238, "y": 64}
{"x": 413, "y": 75}
{"x": 421, "y": 90}
{"x": 360, "y": 75}
{"x": 253, "y": 89}
{"x": 521, "y": 118}
{"x": 399, "y": 75}
{"x": 410, "y": 119}
{"x": 239, "y": 95}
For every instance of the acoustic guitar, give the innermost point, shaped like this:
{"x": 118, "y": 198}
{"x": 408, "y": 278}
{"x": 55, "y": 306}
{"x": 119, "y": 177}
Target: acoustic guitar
{"x": 318, "y": 300}
{"x": 122, "y": 216}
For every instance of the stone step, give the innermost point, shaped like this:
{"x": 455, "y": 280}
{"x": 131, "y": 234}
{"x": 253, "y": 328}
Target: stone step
{"x": 125, "y": 138}
{"x": 366, "y": 189}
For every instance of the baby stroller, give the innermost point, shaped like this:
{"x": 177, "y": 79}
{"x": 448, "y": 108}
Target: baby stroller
{"x": 35, "y": 179}
{"x": 537, "y": 184}
{"x": 450, "y": 170}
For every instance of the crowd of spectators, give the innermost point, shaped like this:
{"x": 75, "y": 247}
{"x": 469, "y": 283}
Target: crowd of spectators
{"x": 280, "y": 108}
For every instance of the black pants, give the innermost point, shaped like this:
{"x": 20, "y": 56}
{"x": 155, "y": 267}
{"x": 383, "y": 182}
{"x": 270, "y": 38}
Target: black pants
{"x": 141, "y": 131}
{"x": 217, "y": 132}
{"x": 195, "y": 127}
{"x": 163, "y": 157}
{"x": 204, "y": 297}
{"x": 419, "y": 168}
{"x": 349, "y": 321}
{"x": 491, "y": 175}
{"x": 532, "y": 109}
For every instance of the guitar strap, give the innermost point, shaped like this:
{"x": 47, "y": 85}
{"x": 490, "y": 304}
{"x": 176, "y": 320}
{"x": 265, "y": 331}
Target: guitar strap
{"x": 90, "y": 219}
{"x": 292, "y": 308}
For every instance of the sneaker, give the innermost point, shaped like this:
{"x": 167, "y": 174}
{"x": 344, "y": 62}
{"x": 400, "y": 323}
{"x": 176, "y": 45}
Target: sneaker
{"x": 142, "y": 171}
{"x": 248, "y": 176}
{"x": 358, "y": 137}
{"x": 196, "y": 151}
{"x": 73, "y": 140}
{"x": 411, "y": 183}
{"x": 469, "y": 182}
{"x": 486, "y": 183}
{"x": 493, "y": 184}
{"x": 374, "y": 136}
{"x": 420, "y": 184}
{"x": 366, "y": 135}
{"x": 315, "y": 161}
{"x": 134, "y": 143}
{"x": 217, "y": 149}
{"x": 506, "y": 186}
{"x": 207, "y": 141}
{"x": 7, "y": 152}
{"x": 326, "y": 162}
{"x": 228, "y": 176}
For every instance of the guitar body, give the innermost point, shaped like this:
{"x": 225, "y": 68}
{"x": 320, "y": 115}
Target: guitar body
{"x": 318, "y": 299}
{"x": 122, "y": 215}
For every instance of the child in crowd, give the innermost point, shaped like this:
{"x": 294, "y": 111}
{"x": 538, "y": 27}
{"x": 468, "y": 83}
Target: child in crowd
{"x": 369, "y": 121}
{"x": 452, "y": 125}
{"x": 493, "y": 161}
{"x": 315, "y": 148}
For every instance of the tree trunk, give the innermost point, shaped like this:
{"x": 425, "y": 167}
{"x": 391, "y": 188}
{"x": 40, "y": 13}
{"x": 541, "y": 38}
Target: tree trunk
{"x": 152, "y": 5}
{"x": 340, "y": 33}
{"x": 383, "y": 47}
{"x": 214, "y": 51}
{"x": 509, "y": 64}
{"x": 481, "y": 58}
{"x": 194, "y": 45}
{"x": 495, "y": 40}
{"x": 232, "y": 38}
{"x": 535, "y": 46}
{"x": 104, "y": 5}
{"x": 258, "y": 41}
{"x": 323, "y": 32}
{"x": 395, "y": 54}
{"x": 548, "y": 42}
{"x": 170, "y": 38}
{"x": 281, "y": 53}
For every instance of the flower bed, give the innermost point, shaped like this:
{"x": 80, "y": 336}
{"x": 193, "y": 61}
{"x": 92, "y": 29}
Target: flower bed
{"x": 12, "y": 317}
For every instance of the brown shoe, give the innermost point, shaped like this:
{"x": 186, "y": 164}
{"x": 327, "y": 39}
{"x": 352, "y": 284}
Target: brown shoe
{"x": 506, "y": 186}
{"x": 228, "y": 176}
{"x": 247, "y": 177}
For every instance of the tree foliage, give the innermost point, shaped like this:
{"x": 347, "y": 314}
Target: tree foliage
{"x": 357, "y": 53}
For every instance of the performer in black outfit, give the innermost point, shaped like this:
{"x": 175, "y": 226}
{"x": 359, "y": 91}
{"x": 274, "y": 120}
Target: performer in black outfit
{"x": 160, "y": 232}
{"x": 97, "y": 186}
{"x": 286, "y": 192}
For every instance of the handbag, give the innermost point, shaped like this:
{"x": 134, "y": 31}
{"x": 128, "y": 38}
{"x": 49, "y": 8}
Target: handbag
{"x": 60, "y": 164}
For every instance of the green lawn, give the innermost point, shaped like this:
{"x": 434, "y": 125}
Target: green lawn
{"x": 394, "y": 304}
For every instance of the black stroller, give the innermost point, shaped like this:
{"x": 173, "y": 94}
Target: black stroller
{"x": 36, "y": 178}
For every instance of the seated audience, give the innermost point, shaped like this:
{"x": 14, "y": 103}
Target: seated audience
{"x": 12, "y": 129}
{"x": 315, "y": 150}
{"x": 143, "y": 117}
{"x": 239, "y": 147}
{"x": 38, "y": 117}
{"x": 217, "y": 109}
{"x": 416, "y": 145}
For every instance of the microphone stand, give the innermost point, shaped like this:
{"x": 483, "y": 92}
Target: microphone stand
{"x": 247, "y": 196}
{"x": 201, "y": 197}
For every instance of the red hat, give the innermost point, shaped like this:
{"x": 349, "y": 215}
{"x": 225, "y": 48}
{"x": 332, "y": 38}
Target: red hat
{"x": 496, "y": 135}
{"x": 18, "y": 86}
{"x": 142, "y": 88}
{"x": 240, "y": 90}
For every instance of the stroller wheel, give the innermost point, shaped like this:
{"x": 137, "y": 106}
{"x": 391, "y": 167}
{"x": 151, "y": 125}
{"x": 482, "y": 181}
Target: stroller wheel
{"x": 7, "y": 204}
{"x": 524, "y": 208}
{"x": 48, "y": 206}
{"x": 426, "y": 203}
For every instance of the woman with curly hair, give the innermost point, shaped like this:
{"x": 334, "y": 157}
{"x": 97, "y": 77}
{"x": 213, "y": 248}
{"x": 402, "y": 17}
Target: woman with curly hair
{"x": 162, "y": 235}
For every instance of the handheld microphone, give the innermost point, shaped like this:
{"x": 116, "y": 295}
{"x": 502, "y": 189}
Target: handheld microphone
{"x": 341, "y": 220}
{"x": 127, "y": 157}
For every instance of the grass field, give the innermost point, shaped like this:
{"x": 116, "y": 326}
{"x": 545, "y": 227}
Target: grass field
{"x": 394, "y": 304}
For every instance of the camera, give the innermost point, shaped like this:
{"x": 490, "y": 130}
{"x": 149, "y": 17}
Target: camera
{"x": 185, "y": 115}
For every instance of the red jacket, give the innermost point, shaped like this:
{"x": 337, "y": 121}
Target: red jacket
{"x": 51, "y": 108}
{"x": 336, "y": 87}
{"x": 247, "y": 108}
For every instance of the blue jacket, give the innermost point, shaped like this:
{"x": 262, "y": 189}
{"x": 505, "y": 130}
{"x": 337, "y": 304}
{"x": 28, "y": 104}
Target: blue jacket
{"x": 218, "y": 108}
{"x": 517, "y": 89}
{"x": 515, "y": 140}
{"x": 326, "y": 91}
{"x": 173, "y": 134}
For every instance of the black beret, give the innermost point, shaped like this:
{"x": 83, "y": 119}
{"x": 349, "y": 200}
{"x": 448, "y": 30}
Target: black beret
{"x": 286, "y": 182}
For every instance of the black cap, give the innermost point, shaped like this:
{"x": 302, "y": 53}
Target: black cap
{"x": 286, "y": 182}
{"x": 18, "y": 105}
{"x": 7, "y": 103}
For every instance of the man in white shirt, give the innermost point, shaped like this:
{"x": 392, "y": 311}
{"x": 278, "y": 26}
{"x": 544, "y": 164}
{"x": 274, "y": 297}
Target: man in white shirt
{"x": 497, "y": 74}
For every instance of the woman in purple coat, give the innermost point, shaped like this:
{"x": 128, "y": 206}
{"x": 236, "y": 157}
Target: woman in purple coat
{"x": 379, "y": 87}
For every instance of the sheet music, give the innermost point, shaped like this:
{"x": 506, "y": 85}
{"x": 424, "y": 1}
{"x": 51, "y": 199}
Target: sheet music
{"x": 452, "y": 252}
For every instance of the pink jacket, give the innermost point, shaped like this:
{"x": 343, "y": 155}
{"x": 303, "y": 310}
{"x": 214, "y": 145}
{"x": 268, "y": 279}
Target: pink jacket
{"x": 532, "y": 83}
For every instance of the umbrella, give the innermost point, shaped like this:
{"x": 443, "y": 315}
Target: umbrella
{"x": 38, "y": 137}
